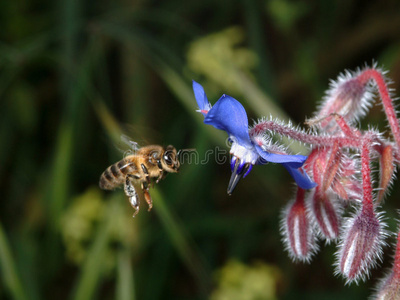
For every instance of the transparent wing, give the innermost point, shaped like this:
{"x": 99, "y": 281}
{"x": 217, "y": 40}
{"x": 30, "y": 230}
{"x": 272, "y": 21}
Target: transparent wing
{"x": 127, "y": 145}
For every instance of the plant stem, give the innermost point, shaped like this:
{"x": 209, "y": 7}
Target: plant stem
{"x": 386, "y": 100}
{"x": 366, "y": 173}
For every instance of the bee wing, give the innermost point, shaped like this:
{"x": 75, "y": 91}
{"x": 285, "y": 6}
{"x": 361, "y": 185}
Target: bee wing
{"x": 126, "y": 146}
{"x": 132, "y": 145}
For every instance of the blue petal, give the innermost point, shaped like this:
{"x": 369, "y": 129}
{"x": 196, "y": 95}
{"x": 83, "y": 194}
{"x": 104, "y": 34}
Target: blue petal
{"x": 201, "y": 98}
{"x": 293, "y": 161}
{"x": 248, "y": 170}
{"x": 301, "y": 177}
{"x": 229, "y": 115}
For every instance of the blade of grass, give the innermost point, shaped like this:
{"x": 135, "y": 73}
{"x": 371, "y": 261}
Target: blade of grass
{"x": 8, "y": 75}
{"x": 257, "y": 39}
{"x": 162, "y": 264}
{"x": 158, "y": 56}
{"x": 63, "y": 153}
{"x": 178, "y": 85}
{"x": 93, "y": 269}
{"x": 75, "y": 82}
{"x": 158, "y": 16}
{"x": 13, "y": 60}
{"x": 57, "y": 192}
{"x": 8, "y": 269}
{"x": 125, "y": 276}
{"x": 108, "y": 121}
{"x": 179, "y": 238}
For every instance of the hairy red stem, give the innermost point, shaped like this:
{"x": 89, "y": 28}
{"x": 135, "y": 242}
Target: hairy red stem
{"x": 387, "y": 102}
{"x": 366, "y": 173}
{"x": 352, "y": 142}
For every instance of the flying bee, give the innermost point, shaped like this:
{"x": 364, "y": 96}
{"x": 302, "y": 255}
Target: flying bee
{"x": 135, "y": 172}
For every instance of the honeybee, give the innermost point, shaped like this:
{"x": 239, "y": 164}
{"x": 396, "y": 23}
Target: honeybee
{"x": 135, "y": 172}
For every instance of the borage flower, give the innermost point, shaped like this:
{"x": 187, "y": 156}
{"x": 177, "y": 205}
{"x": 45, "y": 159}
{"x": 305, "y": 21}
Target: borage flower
{"x": 229, "y": 115}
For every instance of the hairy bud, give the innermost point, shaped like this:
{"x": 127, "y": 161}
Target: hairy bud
{"x": 389, "y": 286}
{"x": 326, "y": 213}
{"x": 298, "y": 236}
{"x": 361, "y": 245}
{"x": 348, "y": 96}
{"x": 387, "y": 168}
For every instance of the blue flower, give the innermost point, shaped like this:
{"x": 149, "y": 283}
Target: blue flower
{"x": 229, "y": 115}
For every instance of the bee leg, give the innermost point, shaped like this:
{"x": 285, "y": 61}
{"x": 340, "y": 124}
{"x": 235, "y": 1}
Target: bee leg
{"x": 161, "y": 176}
{"x": 130, "y": 191}
{"x": 147, "y": 197}
{"x": 146, "y": 173}
{"x": 162, "y": 173}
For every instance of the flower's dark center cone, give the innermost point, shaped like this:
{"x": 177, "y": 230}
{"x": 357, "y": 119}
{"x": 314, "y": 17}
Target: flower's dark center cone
{"x": 239, "y": 169}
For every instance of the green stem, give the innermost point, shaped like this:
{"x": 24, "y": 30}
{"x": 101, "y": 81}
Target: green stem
{"x": 8, "y": 269}
{"x": 181, "y": 241}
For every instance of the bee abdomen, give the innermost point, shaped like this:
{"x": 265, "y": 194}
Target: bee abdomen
{"x": 114, "y": 175}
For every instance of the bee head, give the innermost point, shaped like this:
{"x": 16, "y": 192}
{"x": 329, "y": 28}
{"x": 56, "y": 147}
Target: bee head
{"x": 169, "y": 160}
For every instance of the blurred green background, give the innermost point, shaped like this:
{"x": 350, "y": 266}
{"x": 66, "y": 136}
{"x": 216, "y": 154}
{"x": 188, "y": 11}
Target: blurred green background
{"x": 75, "y": 75}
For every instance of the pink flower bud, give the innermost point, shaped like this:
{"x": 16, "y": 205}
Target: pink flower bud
{"x": 349, "y": 179}
{"x": 351, "y": 186}
{"x": 349, "y": 96}
{"x": 298, "y": 236}
{"x": 386, "y": 171}
{"x": 361, "y": 245}
{"x": 389, "y": 287}
{"x": 333, "y": 169}
{"x": 326, "y": 213}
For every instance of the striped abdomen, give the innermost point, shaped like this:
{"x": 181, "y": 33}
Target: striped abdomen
{"x": 115, "y": 174}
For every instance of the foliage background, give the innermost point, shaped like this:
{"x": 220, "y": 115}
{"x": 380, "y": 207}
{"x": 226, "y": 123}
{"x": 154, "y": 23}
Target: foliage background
{"x": 74, "y": 75}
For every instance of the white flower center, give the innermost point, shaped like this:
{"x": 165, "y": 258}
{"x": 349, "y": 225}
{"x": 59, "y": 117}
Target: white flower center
{"x": 247, "y": 155}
